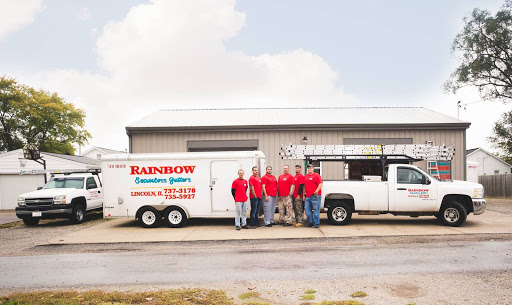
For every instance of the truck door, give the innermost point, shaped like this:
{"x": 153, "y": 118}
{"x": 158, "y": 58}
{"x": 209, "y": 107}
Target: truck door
{"x": 414, "y": 191}
{"x": 96, "y": 197}
{"x": 223, "y": 173}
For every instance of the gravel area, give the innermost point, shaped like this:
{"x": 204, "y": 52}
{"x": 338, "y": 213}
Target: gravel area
{"x": 503, "y": 206}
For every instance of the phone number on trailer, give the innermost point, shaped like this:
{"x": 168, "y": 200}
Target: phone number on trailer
{"x": 180, "y": 196}
{"x": 184, "y": 190}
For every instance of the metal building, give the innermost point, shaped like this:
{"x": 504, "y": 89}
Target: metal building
{"x": 266, "y": 129}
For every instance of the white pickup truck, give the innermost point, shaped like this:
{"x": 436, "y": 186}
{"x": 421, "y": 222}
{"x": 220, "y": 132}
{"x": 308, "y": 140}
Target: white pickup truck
{"x": 408, "y": 190}
{"x": 64, "y": 196}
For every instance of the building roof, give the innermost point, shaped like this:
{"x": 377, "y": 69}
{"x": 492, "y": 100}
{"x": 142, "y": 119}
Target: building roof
{"x": 79, "y": 159}
{"x": 473, "y": 150}
{"x": 245, "y": 118}
{"x": 106, "y": 151}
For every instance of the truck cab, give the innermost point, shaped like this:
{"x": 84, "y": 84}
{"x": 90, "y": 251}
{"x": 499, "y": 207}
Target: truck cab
{"x": 404, "y": 190}
{"x": 64, "y": 196}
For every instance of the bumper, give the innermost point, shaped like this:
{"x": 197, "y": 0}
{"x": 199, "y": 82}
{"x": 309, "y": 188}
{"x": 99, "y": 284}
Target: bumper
{"x": 47, "y": 212}
{"x": 479, "y": 206}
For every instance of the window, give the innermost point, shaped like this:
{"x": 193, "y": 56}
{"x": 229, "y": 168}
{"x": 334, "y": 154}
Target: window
{"x": 98, "y": 156}
{"x": 497, "y": 172}
{"x": 409, "y": 176}
{"x": 91, "y": 180}
{"x": 57, "y": 183}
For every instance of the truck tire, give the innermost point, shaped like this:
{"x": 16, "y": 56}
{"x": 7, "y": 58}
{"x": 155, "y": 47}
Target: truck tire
{"x": 453, "y": 214}
{"x": 78, "y": 214}
{"x": 30, "y": 222}
{"x": 175, "y": 217}
{"x": 149, "y": 217}
{"x": 339, "y": 214}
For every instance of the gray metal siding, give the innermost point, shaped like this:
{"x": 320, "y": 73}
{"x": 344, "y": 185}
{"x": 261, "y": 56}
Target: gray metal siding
{"x": 270, "y": 143}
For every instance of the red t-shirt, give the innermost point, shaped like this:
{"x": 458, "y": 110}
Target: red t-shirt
{"x": 270, "y": 183}
{"x": 299, "y": 179}
{"x": 311, "y": 182}
{"x": 240, "y": 186}
{"x": 285, "y": 184}
{"x": 255, "y": 182}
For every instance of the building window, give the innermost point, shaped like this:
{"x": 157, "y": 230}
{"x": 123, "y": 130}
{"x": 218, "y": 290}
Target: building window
{"x": 98, "y": 156}
{"x": 497, "y": 172}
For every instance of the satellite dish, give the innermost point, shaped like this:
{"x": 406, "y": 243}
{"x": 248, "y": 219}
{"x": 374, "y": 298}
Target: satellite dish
{"x": 31, "y": 152}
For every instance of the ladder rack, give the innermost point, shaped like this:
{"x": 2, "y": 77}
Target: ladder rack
{"x": 401, "y": 152}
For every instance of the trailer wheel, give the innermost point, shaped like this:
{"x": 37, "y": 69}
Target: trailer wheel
{"x": 30, "y": 222}
{"x": 453, "y": 214}
{"x": 175, "y": 217}
{"x": 149, "y": 217}
{"x": 339, "y": 213}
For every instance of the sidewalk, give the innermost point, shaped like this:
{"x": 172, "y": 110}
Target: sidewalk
{"x": 124, "y": 230}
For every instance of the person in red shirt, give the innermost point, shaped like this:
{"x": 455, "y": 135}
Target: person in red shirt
{"x": 313, "y": 185}
{"x": 239, "y": 192}
{"x": 269, "y": 187}
{"x": 255, "y": 195}
{"x": 285, "y": 185}
{"x": 298, "y": 196}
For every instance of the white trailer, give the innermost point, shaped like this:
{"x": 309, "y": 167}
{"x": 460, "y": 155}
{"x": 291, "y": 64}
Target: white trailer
{"x": 173, "y": 187}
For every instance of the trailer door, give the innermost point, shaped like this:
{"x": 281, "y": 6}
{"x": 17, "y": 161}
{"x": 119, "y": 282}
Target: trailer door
{"x": 223, "y": 173}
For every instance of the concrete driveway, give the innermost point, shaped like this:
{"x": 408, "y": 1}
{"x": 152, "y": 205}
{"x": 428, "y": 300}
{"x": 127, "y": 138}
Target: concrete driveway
{"x": 127, "y": 230}
{"x": 8, "y": 217}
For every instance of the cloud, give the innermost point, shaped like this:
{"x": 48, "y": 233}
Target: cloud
{"x": 16, "y": 14}
{"x": 172, "y": 54}
{"x": 83, "y": 14}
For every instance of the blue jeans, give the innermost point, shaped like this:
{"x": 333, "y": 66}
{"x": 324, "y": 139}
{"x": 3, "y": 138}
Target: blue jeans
{"x": 255, "y": 209}
{"x": 240, "y": 213}
{"x": 312, "y": 207}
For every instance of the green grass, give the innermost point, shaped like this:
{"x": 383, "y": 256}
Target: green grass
{"x": 178, "y": 296}
{"x": 307, "y": 297}
{"x": 248, "y": 295}
{"x": 310, "y": 291}
{"x": 11, "y": 225}
{"x": 358, "y": 294}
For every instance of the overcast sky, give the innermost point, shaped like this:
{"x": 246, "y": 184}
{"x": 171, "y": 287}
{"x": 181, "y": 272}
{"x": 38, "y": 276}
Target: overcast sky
{"x": 121, "y": 60}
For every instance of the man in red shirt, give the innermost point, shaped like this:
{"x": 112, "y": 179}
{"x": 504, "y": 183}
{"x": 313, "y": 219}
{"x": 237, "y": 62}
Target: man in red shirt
{"x": 255, "y": 195}
{"x": 285, "y": 185}
{"x": 298, "y": 196}
{"x": 313, "y": 184}
{"x": 269, "y": 187}
{"x": 239, "y": 192}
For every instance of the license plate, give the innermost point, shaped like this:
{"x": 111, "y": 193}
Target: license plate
{"x": 37, "y": 214}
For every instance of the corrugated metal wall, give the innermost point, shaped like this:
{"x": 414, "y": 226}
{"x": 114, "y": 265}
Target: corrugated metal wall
{"x": 270, "y": 143}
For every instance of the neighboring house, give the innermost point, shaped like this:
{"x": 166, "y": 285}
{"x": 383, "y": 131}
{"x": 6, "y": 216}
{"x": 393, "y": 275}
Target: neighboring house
{"x": 488, "y": 164}
{"x": 96, "y": 152}
{"x": 13, "y": 183}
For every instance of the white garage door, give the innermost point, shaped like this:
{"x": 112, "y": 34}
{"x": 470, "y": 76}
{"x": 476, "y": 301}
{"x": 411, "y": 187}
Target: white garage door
{"x": 11, "y": 186}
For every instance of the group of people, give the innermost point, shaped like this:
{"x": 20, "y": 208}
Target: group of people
{"x": 291, "y": 194}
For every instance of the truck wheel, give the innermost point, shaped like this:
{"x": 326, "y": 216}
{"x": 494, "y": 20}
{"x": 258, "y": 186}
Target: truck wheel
{"x": 339, "y": 213}
{"x": 149, "y": 217}
{"x": 30, "y": 222}
{"x": 175, "y": 217}
{"x": 77, "y": 216}
{"x": 453, "y": 214}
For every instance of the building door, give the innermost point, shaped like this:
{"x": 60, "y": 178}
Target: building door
{"x": 223, "y": 173}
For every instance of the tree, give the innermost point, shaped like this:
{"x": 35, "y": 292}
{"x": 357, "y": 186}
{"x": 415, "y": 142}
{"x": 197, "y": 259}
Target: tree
{"x": 29, "y": 116}
{"x": 502, "y": 136}
{"x": 485, "y": 48}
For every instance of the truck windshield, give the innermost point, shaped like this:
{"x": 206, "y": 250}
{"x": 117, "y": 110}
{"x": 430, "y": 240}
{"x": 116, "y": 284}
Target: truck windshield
{"x": 59, "y": 183}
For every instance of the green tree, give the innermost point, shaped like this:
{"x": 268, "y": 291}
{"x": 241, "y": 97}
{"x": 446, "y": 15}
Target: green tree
{"x": 40, "y": 118}
{"x": 485, "y": 49}
{"x": 502, "y": 136}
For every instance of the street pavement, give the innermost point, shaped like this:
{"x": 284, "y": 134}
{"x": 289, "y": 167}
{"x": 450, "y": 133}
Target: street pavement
{"x": 8, "y": 217}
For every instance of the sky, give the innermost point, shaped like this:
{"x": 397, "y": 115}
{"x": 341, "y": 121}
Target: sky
{"x": 121, "y": 60}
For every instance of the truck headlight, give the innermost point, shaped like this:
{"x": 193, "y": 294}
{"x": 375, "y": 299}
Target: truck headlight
{"x": 61, "y": 199}
{"x": 479, "y": 192}
{"x": 21, "y": 201}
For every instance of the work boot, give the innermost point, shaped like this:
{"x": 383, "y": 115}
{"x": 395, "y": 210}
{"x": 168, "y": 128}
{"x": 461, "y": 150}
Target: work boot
{"x": 287, "y": 225}
{"x": 245, "y": 227}
{"x": 238, "y": 228}
{"x": 299, "y": 224}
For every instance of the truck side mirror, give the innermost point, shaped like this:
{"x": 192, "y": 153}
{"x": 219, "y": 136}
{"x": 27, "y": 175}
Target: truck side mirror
{"x": 39, "y": 188}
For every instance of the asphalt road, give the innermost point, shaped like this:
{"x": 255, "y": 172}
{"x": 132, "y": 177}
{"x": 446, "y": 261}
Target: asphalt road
{"x": 233, "y": 261}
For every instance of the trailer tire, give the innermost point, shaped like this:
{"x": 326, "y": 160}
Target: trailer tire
{"x": 339, "y": 213}
{"x": 78, "y": 214}
{"x": 453, "y": 214}
{"x": 149, "y": 217}
{"x": 30, "y": 222}
{"x": 175, "y": 217}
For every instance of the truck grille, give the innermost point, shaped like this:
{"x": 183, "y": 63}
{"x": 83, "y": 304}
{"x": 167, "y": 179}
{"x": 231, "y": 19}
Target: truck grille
{"x": 38, "y": 201}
